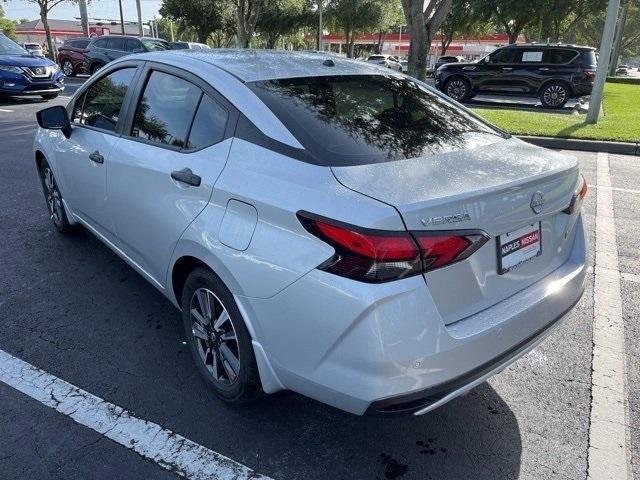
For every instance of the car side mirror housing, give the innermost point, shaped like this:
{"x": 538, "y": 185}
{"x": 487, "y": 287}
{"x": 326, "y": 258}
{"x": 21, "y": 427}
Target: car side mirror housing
{"x": 55, "y": 118}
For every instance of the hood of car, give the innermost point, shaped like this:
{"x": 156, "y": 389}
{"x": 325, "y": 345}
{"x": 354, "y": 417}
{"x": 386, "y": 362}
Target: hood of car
{"x": 25, "y": 61}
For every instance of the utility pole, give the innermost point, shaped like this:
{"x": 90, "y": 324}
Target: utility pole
{"x": 603, "y": 61}
{"x": 320, "y": 25}
{"x": 140, "y": 27}
{"x": 613, "y": 66}
{"x": 84, "y": 21}
{"x": 171, "y": 30}
{"x": 121, "y": 17}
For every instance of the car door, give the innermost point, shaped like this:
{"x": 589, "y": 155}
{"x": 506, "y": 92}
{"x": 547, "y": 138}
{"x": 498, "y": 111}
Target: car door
{"x": 95, "y": 117}
{"x": 163, "y": 169}
{"x": 529, "y": 70}
{"x": 559, "y": 64}
{"x": 116, "y": 48}
{"x": 494, "y": 73}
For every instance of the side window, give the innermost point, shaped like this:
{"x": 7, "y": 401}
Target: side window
{"x": 209, "y": 124}
{"x": 117, "y": 44}
{"x": 101, "y": 43}
{"x": 505, "y": 55}
{"x": 165, "y": 110}
{"x": 559, "y": 56}
{"x": 76, "y": 116}
{"x": 531, "y": 56}
{"x": 133, "y": 45}
{"x": 103, "y": 100}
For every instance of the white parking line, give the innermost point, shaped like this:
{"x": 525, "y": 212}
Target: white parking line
{"x": 6, "y": 110}
{"x": 167, "y": 449}
{"x": 615, "y": 189}
{"x": 607, "y": 453}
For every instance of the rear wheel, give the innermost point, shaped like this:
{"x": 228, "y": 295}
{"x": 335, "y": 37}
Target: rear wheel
{"x": 53, "y": 198}
{"x": 458, "y": 88}
{"x": 218, "y": 338}
{"x": 554, "y": 95}
{"x": 67, "y": 68}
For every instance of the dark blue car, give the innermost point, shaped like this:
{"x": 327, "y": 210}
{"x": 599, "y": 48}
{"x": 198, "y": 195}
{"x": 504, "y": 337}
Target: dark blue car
{"x": 23, "y": 74}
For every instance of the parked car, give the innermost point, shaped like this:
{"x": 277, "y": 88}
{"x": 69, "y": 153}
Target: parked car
{"x": 404, "y": 64}
{"x": 189, "y": 46}
{"x": 554, "y": 73}
{"x": 388, "y": 61}
{"x": 24, "y": 74}
{"x": 71, "y": 56}
{"x": 322, "y": 226}
{"x": 447, "y": 59}
{"x": 33, "y": 48}
{"x": 102, "y": 50}
{"x": 622, "y": 70}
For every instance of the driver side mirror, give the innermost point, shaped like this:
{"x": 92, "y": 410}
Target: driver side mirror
{"x": 55, "y": 118}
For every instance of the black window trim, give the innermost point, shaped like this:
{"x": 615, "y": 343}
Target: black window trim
{"x": 205, "y": 88}
{"x": 542, "y": 48}
{"x": 80, "y": 94}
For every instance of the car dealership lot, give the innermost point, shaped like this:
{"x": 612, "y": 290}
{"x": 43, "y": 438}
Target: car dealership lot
{"x": 72, "y": 308}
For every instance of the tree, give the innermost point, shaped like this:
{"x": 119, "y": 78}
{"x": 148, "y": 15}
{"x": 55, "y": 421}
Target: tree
{"x": 247, "y": 14}
{"x": 204, "y": 16}
{"x": 45, "y": 7}
{"x": 353, "y": 16}
{"x": 513, "y": 15}
{"x": 560, "y": 18}
{"x": 424, "y": 18}
{"x": 7, "y": 26}
{"x": 391, "y": 17}
{"x": 283, "y": 17}
{"x": 465, "y": 19}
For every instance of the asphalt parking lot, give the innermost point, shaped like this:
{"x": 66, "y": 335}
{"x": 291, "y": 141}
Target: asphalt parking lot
{"x": 72, "y": 308}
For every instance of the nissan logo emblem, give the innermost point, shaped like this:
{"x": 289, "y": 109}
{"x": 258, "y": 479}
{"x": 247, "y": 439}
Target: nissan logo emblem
{"x": 537, "y": 202}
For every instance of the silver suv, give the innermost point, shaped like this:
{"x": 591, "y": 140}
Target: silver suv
{"x": 324, "y": 225}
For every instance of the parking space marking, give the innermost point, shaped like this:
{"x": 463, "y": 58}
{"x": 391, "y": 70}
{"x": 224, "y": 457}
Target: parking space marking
{"x": 607, "y": 453}
{"x": 615, "y": 189}
{"x": 167, "y": 449}
{"x": 6, "y": 110}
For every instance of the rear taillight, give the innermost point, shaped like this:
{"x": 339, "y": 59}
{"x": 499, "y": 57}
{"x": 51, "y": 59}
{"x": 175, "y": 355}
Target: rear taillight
{"x": 379, "y": 256}
{"x": 590, "y": 74}
{"x": 578, "y": 197}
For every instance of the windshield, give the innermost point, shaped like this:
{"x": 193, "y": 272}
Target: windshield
{"x": 9, "y": 47}
{"x": 363, "y": 119}
{"x": 376, "y": 57}
{"x": 153, "y": 45}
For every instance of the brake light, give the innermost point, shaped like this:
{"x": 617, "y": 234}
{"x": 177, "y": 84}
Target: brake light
{"x": 379, "y": 256}
{"x": 578, "y": 197}
{"x": 590, "y": 74}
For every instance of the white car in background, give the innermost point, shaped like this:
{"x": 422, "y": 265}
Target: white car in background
{"x": 388, "y": 61}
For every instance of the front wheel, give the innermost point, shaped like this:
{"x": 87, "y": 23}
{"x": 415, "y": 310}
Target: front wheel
{"x": 67, "y": 68}
{"x": 554, "y": 95}
{"x": 53, "y": 198}
{"x": 458, "y": 89}
{"x": 218, "y": 338}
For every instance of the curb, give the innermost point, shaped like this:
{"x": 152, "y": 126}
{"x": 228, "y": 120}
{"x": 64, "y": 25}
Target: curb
{"x": 619, "y": 148}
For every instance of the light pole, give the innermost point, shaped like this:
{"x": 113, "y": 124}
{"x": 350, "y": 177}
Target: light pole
{"x": 121, "y": 17}
{"x": 603, "y": 61}
{"x": 319, "y": 25}
{"x": 613, "y": 64}
{"x": 140, "y": 27}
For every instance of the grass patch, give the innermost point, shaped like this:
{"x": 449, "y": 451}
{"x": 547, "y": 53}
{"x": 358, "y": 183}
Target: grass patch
{"x": 620, "y": 122}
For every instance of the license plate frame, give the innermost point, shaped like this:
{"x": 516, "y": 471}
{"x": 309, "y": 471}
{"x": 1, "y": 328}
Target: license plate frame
{"x": 519, "y": 246}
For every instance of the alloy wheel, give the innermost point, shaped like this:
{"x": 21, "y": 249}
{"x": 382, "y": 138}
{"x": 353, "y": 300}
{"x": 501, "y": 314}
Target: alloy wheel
{"x": 53, "y": 197}
{"x": 215, "y": 336}
{"x": 67, "y": 68}
{"x": 457, "y": 89}
{"x": 555, "y": 95}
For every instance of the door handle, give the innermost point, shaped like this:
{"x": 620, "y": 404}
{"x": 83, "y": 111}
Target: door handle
{"x": 186, "y": 176}
{"x": 468, "y": 68}
{"x": 96, "y": 157}
{"x": 507, "y": 68}
{"x": 543, "y": 69}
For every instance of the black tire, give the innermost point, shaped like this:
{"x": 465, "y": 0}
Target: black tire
{"x": 245, "y": 386}
{"x": 67, "y": 68}
{"x": 458, "y": 88}
{"x": 53, "y": 199}
{"x": 554, "y": 95}
{"x": 49, "y": 96}
{"x": 95, "y": 67}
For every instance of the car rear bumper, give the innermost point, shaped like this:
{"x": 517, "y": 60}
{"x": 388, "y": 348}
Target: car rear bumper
{"x": 384, "y": 349}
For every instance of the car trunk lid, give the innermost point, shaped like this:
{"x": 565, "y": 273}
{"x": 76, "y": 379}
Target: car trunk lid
{"x": 493, "y": 188}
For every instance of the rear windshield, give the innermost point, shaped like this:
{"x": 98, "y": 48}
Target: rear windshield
{"x": 376, "y": 57}
{"x": 363, "y": 119}
{"x": 153, "y": 45}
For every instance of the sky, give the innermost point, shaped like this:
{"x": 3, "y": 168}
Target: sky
{"x": 97, "y": 9}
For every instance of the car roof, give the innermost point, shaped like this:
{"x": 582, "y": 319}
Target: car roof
{"x": 548, "y": 45}
{"x": 250, "y": 65}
